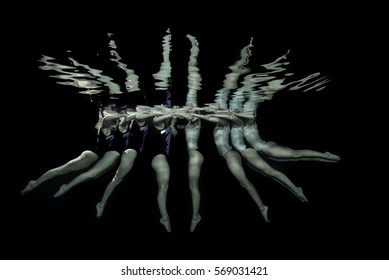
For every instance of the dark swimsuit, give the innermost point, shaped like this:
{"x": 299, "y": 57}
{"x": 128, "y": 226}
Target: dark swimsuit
{"x": 112, "y": 142}
{"x": 157, "y": 141}
{"x": 134, "y": 137}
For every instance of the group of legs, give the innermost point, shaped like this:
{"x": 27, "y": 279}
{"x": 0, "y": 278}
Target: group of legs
{"x": 273, "y": 151}
{"x": 182, "y": 119}
{"x": 280, "y": 153}
{"x": 93, "y": 166}
{"x": 226, "y": 130}
{"x": 233, "y": 159}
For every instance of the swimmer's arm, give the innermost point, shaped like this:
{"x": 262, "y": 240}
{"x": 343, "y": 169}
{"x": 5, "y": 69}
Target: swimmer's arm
{"x": 161, "y": 118}
{"x": 173, "y": 126}
{"x": 232, "y": 118}
{"x": 212, "y": 119}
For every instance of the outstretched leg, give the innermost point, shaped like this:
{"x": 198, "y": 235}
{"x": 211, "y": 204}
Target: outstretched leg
{"x": 103, "y": 165}
{"x": 234, "y": 163}
{"x": 262, "y": 166}
{"x": 196, "y": 160}
{"x": 81, "y": 162}
{"x": 281, "y": 153}
{"x": 126, "y": 164}
{"x": 162, "y": 171}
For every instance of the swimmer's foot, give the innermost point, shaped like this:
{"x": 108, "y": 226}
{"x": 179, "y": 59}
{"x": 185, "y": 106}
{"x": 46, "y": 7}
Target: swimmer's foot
{"x": 31, "y": 185}
{"x": 166, "y": 223}
{"x": 63, "y": 189}
{"x": 332, "y": 157}
{"x": 300, "y": 195}
{"x": 264, "y": 213}
{"x": 99, "y": 209}
{"x": 194, "y": 223}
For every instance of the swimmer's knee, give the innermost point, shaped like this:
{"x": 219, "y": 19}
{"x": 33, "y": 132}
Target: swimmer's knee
{"x": 113, "y": 154}
{"x": 131, "y": 153}
{"x": 160, "y": 163}
{"x": 89, "y": 155}
{"x": 158, "y": 158}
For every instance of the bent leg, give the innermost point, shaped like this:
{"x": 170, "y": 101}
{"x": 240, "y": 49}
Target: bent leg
{"x": 162, "y": 172}
{"x": 234, "y": 163}
{"x": 263, "y": 167}
{"x": 277, "y": 152}
{"x": 81, "y": 162}
{"x": 196, "y": 160}
{"x": 126, "y": 164}
{"x": 103, "y": 165}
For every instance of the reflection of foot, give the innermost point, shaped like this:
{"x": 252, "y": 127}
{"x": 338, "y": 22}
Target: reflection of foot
{"x": 264, "y": 213}
{"x": 61, "y": 191}
{"x": 100, "y": 209}
{"x": 30, "y": 187}
{"x": 332, "y": 156}
{"x": 194, "y": 223}
{"x": 166, "y": 223}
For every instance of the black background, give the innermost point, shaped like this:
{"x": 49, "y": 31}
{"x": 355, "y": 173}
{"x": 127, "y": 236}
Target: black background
{"x": 47, "y": 124}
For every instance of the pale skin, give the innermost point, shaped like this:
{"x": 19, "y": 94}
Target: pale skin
{"x": 162, "y": 171}
{"x": 159, "y": 163}
{"x": 82, "y": 162}
{"x": 126, "y": 163}
{"x": 102, "y": 165}
{"x": 270, "y": 149}
{"x": 255, "y": 161}
{"x": 195, "y": 162}
{"x": 234, "y": 164}
{"x": 281, "y": 153}
{"x": 146, "y": 115}
{"x": 95, "y": 167}
{"x": 161, "y": 168}
{"x": 85, "y": 160}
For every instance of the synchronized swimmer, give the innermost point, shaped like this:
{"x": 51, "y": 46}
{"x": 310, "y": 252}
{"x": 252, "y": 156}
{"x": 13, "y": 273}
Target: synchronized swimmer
{"x": 127, "y": 132}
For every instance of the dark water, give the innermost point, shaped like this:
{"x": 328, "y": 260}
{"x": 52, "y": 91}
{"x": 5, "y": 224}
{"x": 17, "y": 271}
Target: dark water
{"x": 51, "y": 123}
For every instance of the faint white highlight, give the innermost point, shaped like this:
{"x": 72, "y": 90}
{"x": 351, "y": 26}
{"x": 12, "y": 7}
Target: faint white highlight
{"x": 79, "y": 80}
{"x": 132, "y": 80}
{"x": 106, "y": 80}
{"x": 194, "y": 77}
{"x": 238, "y": 69}
{"x": 163, "y": 76}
